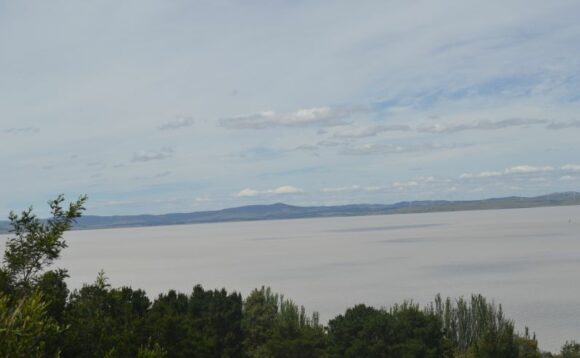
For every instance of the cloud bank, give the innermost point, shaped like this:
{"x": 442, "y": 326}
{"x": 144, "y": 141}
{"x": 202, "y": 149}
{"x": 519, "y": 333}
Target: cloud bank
{"x": 317, "y": 116}
{"x": 144, "y": 156}
{"x": 285, "y": 189}
{"x": 478, "y": 125}
{"x": 20, "y": 130}
{"x": 180, "y": 122}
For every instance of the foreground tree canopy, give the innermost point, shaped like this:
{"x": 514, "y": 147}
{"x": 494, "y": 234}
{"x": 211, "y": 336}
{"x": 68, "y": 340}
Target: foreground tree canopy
{"x": 40, "y": 317}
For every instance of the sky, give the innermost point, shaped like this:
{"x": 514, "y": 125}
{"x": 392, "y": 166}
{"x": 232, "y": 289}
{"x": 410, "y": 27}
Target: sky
{"x": 179, "y": 106}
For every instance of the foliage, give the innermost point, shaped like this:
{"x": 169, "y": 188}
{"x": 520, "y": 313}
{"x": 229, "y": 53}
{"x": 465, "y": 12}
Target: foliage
{"x": 419, "y": 333}
{"x": 570, "y": 349}
{"x": 155, "y": 351}
{"x": 203, "y": 324}
{"x": 26, "y": 330}
{"x": 103, "y": 321}
{"x": 37, "y": 243}
{"x": 54, "y": 292}
{"x": 404, "y": 331}
{"x": 277, "y": 327}
{"x": 33, "y": 300}
{"x": 527, "y": 345}
{"x": 361, "y": 332}
{"x": 476, "y": 326}
{"x": 259, "y": 317}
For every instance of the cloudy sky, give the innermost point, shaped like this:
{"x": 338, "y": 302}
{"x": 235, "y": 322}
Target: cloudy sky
{"x": 164, "y": 106}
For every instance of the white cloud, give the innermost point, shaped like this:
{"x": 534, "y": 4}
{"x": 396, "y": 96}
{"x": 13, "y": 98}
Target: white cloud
{"x": 286, "y": 189}
{"x": 144, "y": 156}
{"x": 353, "y": 131}
{"x": 477, "y": 125}
{"x": 116, "y": 202}
{"x": 571, "y": 167}
{"x": 524, "y": 169}
{"x": 179, "y": 122}
{"x": 300, "y": 118}
{"x": 203, "y": 199}
{"x": 567, "y": 178}
{"x": 340, "y": 189}
{"x": 374, "y": 188}
{"x": 247, "y": 193}
{"x": 21, "y": 130}
{"x": 307, "y": 147}
{"x": 563, "y": 125}
{"x": 518, "y": 169}
{"x": 373, "y": 148}
{"x": 418, "y": 181}
{"x": 403, "y": 185}
{"x": 489, "y": 174}
{"x": 480, "y": 175}
{"x": 162, "y": 174}
{"x": 429, "y": 179}
{"x": 281, "y": 190}
{"x": 368, "y": 131}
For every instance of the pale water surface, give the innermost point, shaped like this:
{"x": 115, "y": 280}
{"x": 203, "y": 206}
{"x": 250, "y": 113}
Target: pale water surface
{"x": 526, "y": 259}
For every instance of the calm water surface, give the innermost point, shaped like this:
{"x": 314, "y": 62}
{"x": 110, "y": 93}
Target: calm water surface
{"x": 526, "y": 259}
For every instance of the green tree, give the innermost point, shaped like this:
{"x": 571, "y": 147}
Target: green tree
{"x": 295, "y": 335}
{"x": 26, "y": 330}
{"x": 259, "y": 317}
{"x": 33, "y": 298}
{"x": 476, "y": 327}
{"x": 105, "y": 322}
{"x": 203, "y": 324}
{"x": 152, "y": 351}
{"x": 277, "y": 327}
{"x": 37, "y": 243}
{"x": 362, "y": 331}
{"x": 527, "y": 345}
{"x": 404, "y": 331}
{"x": 54, "y": 290}
{"x": 494, "y": 343}
{"x": 570, "y": 349}
{"x": 418, "y": 333}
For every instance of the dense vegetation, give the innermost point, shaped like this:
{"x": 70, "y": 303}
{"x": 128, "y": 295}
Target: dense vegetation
{"x": 40, "y": 317}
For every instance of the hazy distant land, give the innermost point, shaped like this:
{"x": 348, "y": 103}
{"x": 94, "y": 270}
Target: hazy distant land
{"x": 284, "y": 211}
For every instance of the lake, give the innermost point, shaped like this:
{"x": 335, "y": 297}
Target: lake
{"x": 526, "y": 259}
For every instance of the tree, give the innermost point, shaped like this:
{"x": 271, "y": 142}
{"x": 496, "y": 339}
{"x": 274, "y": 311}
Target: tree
{"x": 418, "y": 333}
{"x": 476, "y": 327}
{"x": 259, "y": 316}
{"x": 277, "y": 327}
{"x": 37, "y": 243}
{"x": 404, "y": 331}
{"x": 54, "y": 291}
{"x": 105, "y": 322}
{"x": 155, "y": 351}
{"x": 25, "y": 328}
{"x": 496, "y": 343}
{"x": 295, "y": 335}
{"x": 207, "y": 323}
{"x": 571, "y": 350}
{"x": 32, "y": 299}
{"x": 362, "y": 331}
{"x": 528, "y": 345}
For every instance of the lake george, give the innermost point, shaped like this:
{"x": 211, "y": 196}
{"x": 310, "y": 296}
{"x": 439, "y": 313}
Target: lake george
{"x": 526, "y": 259}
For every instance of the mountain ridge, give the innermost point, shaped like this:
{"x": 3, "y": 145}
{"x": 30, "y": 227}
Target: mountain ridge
{"x": 278, "y": 211}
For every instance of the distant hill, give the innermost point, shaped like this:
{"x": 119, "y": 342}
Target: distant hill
{"x": 284, "y": 211}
